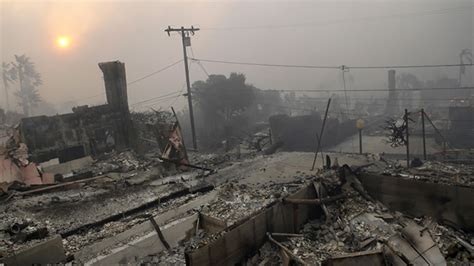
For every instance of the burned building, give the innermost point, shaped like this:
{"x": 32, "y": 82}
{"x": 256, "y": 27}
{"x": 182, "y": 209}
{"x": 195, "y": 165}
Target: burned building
{"x": 301, "y": 133}
{"x": 461, "y": 126}
{"x": 87, "y": 130}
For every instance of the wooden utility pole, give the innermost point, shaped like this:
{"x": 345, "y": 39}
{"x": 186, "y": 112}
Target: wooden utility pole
{"x": 24, "y": 102}
{"x": 321, "y": 135}
{"x": 423, "y": 132}
{"x": 186, "y": 40}
{"x": 360, "y": 125}
{"x": 407, "y": 135}
{"x": 445, "y": 141}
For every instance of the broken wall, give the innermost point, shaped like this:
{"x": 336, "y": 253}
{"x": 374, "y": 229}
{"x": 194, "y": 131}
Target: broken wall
{"x": 88, "y": 130}
{"x": 71, "y": 136}
{"x": 445, "y": 203}
{"x": 461, "y": 128}
{"x": 299, "y": 133}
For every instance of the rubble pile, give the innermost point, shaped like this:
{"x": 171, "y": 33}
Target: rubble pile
{"x": 212, "y": 160}
{"x": 236, "y": 201}
{"x": 153, "y": 128}
{"x": 233, "y": 203}
{"x": 175, "y": 256}
{"x": 209, "y": 159}
{"x": 15, "y": 165}
{"x": 430, "y": 171}
{"x": 15, "y": 232}
{"x": 79, "y": 241}
{"x": 122, "y": 162}
{"x": 65, "y": 210}
{"x": 357, "y": 224}
{"x": 446, "y": 173}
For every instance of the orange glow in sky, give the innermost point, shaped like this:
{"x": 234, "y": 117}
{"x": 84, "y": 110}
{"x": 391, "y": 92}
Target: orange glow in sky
{"x": 63, "y": 41}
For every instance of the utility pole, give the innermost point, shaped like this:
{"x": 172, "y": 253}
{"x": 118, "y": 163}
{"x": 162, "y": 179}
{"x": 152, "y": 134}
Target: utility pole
{"x": 321, "y": 135}
{"x": 186, "y": 40}
{"x": 423, "y": 132}
{"x": 445, "y": 141}
{"x": 407, "y": 134}
{"x": 360, "y": 125}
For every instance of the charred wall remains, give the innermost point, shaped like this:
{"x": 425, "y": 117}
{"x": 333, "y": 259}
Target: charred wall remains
{"x": 301, "y": 133}
{"x": 87, "y": 130}
{"x": 461, "y": 128}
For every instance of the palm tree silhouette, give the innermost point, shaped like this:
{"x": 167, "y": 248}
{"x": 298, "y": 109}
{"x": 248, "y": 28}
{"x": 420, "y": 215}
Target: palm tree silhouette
{"x": 8, "y": 77}
{"x": 28, "y": 79}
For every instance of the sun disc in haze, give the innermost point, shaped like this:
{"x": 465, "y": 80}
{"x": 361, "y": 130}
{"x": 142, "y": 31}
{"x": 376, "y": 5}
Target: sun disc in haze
{"x": 63, "y": 42}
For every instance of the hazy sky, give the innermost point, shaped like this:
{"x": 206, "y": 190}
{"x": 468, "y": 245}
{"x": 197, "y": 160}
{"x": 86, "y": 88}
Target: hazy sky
{"x": 369, "y": 32}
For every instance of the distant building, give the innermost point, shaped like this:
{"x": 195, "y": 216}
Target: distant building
{"x": 461, "y": 127}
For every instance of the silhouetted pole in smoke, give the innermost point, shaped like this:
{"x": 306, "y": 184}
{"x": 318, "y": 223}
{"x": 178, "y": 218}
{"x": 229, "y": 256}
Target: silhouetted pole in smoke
{"x": 407, "y": 138}
{"x": 423, "y": 132}
{"x": 186, "y": 39}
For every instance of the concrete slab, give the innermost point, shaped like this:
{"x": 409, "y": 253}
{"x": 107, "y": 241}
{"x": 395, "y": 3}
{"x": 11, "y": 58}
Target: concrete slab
{"x": 149, "y": 244}
{"x": 68, "y": 167}
{"x": 89, "y": 252}
{"x": 48, "y": 252}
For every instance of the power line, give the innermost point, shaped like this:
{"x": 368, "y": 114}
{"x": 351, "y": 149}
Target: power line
{"x": 152, "y": 103}
{"x": 174, "y": 101}
{"x": 162, "y": 100}
{"x": 155, "y": 72}
{"x": 137, "y": 80}
{"x": 386, "y": 98}
{"x": 155, "y": 98}
{"x": 199, "y": 63}
{"x": 203, "y": 69}
{"x": 339, "y": 112}
{"x": 262, "y": 64}
{"x": 326, "y": 67}
{"x": 409, "y": 66}
{"x": 351, "y": 112}
{"x": 373, "y": 90}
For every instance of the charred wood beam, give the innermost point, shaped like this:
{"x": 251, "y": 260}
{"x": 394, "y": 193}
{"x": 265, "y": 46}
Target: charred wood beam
{"x": 186, "y": 164}
{"x": 287, "y": 251}
{"x": 319, "y": 193}
{"x": 287, "y": 235}
{"x": 145, "y": 206}
{"x": 316, "y": 201}
{"x": 158, "y": 232}
{"x": 59, "y": 185}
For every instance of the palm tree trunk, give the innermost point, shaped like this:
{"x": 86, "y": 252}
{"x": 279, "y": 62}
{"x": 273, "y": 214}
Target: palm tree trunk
{"x": 5, "y": 85}
{"x": 24, "y": 100}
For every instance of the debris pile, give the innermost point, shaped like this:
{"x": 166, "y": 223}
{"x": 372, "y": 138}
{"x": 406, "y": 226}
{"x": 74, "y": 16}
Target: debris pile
{"x": 81, "y": 240}
{"x": 358, "y": 225}
{"x": 121, "y": 162}
{"x": 15, "y": 232}
{"x": 15, "y": 166}
{"x": 175, "y": 256}
{"x": 153, "y": 128}
{"x": 236, "y": 201}
{"x": 430, "y": 171}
